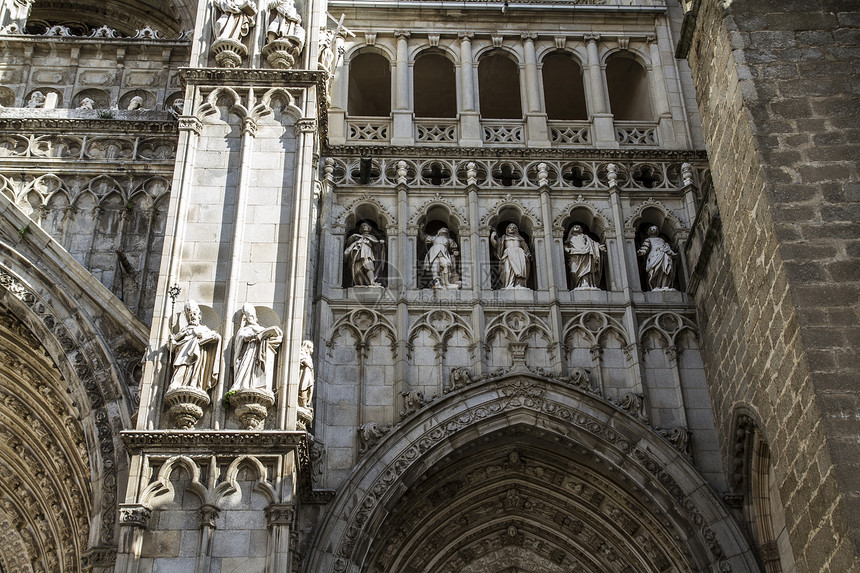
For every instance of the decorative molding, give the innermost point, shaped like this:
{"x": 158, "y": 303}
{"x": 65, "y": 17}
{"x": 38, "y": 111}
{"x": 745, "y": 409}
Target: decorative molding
{"x": 153, "y": 441}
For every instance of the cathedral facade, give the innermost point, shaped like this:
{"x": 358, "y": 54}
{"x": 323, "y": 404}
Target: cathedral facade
{"x": 424, "y": 286}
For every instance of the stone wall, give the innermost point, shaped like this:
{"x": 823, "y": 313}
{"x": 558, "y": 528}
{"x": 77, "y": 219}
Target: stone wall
{"x": 778, "y": 305}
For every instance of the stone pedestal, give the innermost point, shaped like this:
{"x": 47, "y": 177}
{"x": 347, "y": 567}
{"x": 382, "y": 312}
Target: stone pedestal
{"x": 228, "y": 53}
{"x": 252, "y": 407}
{"x": 185, "y": 406}
{"x": 282, "y": 53}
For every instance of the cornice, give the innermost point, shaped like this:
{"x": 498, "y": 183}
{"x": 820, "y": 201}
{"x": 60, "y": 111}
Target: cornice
{"x": 253, "y": 77}
{"x": 81, "y": 126}
{"x": 171, "y": 441}
{"x": 427, "y": 152}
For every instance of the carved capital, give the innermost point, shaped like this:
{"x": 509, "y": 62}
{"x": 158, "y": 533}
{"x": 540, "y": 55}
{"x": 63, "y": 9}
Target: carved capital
{"x": 280, "y": 514}
{"x": 650, "y": 39}
{"x": 466, "y": 36}
{"x": 134, "y": 515}
{"x": 306, "y": 125}
{"x": 207, "y": 515}
{"x": 190, "y": 123}
{"x": 249, "y": 126}
{"x": 402, "y": 34}
{"x": 529, "y": 36}
{"x": 588, "y": 38}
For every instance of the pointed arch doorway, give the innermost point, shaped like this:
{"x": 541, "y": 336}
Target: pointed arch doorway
{"x": 528, "y": 474}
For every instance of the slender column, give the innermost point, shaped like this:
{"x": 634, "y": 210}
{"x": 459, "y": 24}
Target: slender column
{"x": 532, "y": 93}
{"x": 604, "y": 130}
{"x": 537, "y": 130}
{"x": 470, "y": 123}
{"x": 279, "y": 517}
{"x": 401, "y": 101}
{"x": 133, "y": 521}
{"x": 402, "y": 132}
{"x": 660, "y": 95}
{"x": 207, "y": 514}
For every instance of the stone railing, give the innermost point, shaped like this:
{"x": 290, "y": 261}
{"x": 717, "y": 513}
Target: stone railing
{"x": 368, "y": 129}
{"x": 636, "y": 134}
{"x": 508, "y": 132}
{"x": 570, "y": 132}
{"x": 436, "y": 131}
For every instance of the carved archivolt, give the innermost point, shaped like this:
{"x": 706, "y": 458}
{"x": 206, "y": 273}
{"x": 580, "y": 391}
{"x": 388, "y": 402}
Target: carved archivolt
{"x": 456, "y": 212}
{"x": 363, "y": 324}
{"x": 352, "y": 207}
{"x": 517, "y": 326}
{"x": 509, "y": 201}
{"x": 441, "y": 324}
{"x": 636, "y": 216}
{"x": 565, "y": 212}
{"x": 669, "y": 326}
{"x": 594, "y": 326}
{"x": 630, "y": 459}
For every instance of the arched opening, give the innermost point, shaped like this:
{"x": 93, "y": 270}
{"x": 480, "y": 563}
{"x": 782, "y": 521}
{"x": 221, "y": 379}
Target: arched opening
{"x": 584, "y": 260}
{"x": 82, "y": 17}
{"x": 434, "y": 86}
{"x": 365, "y": 257}
{"x": 627, "y": 82}
{"x": 521, "y": 473}
{"x": 511, "y": 258}
{"x": 564, "y": 93}
{"x": 657, "y": 252}
{"x": 499, "y": 87}
{"x": 438, "y": 250}
{"x": 369, "y": 86}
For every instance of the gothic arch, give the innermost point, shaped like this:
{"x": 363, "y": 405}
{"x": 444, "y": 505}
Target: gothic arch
{"x": 92, "y": 343}
{"x": 525, "y": 471}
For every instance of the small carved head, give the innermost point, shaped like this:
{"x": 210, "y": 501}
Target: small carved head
{"x": 653, "y": 231}
{"x": 365, "y": 229}
{"x": 307, "y": 347}
{"x": 576, "y": 230}
{"x": 249, "y": 313}
{"x": 511, "y": 229}
{"x": 192, "y": 313}
{"x": 443, "y": 231}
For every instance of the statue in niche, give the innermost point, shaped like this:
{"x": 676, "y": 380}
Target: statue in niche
{"x": 306, "y": 375}
{"x": 254, "y": 351}
{"x": 659, "y": 261}
{"x": 196, "y": 351}
{"x": 583, "y": 259}
{"x": 441, "y": 258}
{"x": 136, "y": 104}
{"x": 235, "y": 19}
{"x": 284, "y": 21}
{"x": 87, "y": 103}
{"x": 37, "y": 100}
{"x": 365, "y": 254}
{"x": 514, "y": 255}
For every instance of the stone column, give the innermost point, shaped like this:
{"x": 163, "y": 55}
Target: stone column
{"x": 665, "y": 127}
{"x": 207, "y": 514}
{"x": 604, "y": 130}
{"x": 279, "y": 517}
{"x": 338, "y": 95}
{"x": 536, "y": 127}
{"x": 133, "y": 521}
{"x": 470, "y": 121}
{"x": 402, "y": 131}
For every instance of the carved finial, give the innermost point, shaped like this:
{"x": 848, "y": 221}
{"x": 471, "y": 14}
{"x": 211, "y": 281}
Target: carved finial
{"x": 471, "y": 173}
{"x": 612, "y": 174}
{"x": 543, "y": 174}
{"x": 401, "y": 173}
{"x": 329, "y": 168}
{"x": 687, "y": 174}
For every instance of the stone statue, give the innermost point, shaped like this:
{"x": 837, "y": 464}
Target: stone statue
{"x": 284, "y": 21}
{"x": 136, "y": 104}
{"x": 441, "y": 258}
{"x": 514, "y": 255}
{"x": 196, "y": 352}
{"x": 660, "y": 262}
{"x": 37, "y": 99}
{"x": 254, "y": 351}
{"x": 235, "y": 19}
{"x": 306, "y": 375}
{"x": 87, "y": 103}
{"x": 365, "y": 254}
{"x": 583, "y": 258}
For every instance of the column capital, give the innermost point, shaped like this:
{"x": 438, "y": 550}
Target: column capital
{"x": 280, "y": 514}
{"x": 466, "y": 36}
{"x": 402, "y": 34}
{"x": 190, "y": 123}
{"x": 134, "y": 514}
{"x": 589, "y": 38}
{"x": 249, "y": 126}
{"x": 529, "y": 36}
{"x": 306, "y": 125}
{"x": 207, "y": 515}
{"x": 651, "y": 40}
